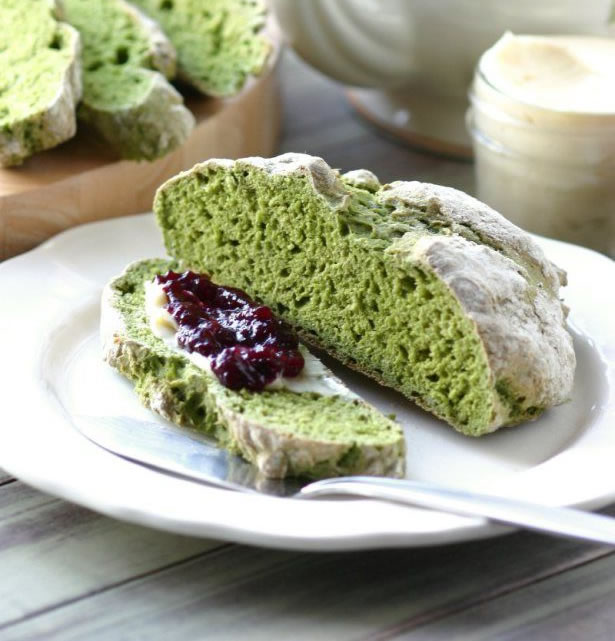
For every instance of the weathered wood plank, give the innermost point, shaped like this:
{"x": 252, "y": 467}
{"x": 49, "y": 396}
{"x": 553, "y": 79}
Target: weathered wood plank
{"x": 52, "y": 551}
{"x": 17, "y": 498}
{"x": 4, "y": 477}
{"x": 242, "y": 592}
{"x": 577, "y": 605}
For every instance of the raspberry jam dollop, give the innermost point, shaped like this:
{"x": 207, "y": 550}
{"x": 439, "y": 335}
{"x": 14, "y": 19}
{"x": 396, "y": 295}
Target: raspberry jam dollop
{"x": 246, "y": 345}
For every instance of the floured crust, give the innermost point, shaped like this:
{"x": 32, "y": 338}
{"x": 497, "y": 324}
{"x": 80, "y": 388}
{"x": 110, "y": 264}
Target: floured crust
{"x": 461, "y": 211}
{"x": 277, "y": 454}
{"x": 274, "y": 452}
{"x": 148, "y": 129}
{"x": 506, "y": 286}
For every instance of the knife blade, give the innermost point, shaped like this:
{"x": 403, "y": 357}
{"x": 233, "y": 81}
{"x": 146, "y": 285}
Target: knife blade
{"x": 189, "y": 454}
{"x": 181, "y": 451}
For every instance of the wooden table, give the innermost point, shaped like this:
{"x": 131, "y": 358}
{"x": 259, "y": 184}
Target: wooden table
{"x": 69, "y": 573}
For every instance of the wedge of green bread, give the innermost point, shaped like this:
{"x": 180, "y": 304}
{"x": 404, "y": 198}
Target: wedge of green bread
{"x": 422, "y": 287}
{"x": 219, "y": 42}
{"x": 41, "y": 79}
{"x": 283, "y": 432}
{"x": 127, "y": 98}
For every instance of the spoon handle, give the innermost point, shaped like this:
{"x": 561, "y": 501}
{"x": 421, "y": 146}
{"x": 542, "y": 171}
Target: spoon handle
{"x": 560, "y": 521}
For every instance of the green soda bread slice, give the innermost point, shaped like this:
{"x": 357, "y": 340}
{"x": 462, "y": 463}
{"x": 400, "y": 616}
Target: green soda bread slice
{"x": 127, "y": 98}
{"x": 218, "y": 42}
{"x": 321, "y": 430}
{"x": 421, "y": 287}
{"x": 41, "y": 79}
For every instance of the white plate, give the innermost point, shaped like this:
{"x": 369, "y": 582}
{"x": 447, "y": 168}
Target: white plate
{"x": 51, "y": 370}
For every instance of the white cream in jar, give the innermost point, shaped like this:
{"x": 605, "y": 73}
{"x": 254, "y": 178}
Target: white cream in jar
{"x": 543, "y": 126}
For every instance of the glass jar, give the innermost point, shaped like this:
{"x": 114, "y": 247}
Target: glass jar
{"x": 548, "y": 170}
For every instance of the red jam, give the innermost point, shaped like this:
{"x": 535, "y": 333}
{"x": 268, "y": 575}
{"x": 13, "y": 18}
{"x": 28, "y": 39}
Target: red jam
{"x": 247, "y": 346}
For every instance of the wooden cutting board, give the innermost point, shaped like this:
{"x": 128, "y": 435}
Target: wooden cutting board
{"x": 79, "y": 181}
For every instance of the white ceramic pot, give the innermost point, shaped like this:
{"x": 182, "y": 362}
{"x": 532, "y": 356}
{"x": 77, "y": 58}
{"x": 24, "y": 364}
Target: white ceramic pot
{"x": 410, "y": 62}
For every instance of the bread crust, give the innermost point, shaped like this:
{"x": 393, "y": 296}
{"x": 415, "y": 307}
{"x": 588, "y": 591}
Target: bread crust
{"x": 145, "y": 130}
{"x": 505, "y": 285}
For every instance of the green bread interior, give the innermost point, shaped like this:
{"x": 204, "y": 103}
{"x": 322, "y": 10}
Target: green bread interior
{"x": 110, "y": 88}
{"x": 110, "y": 35}
{"x": 217, "y": 41}
{"x": 198, "y": 398}
{"x": 35, "y": 52}
{"x": 337, "y": 276}
{"x": 115, "y": 50}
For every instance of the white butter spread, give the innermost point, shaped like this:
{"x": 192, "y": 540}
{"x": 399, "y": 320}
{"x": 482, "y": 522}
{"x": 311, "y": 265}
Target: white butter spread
{"x": 573, "y": 74}
{"x": 314, "y": 377}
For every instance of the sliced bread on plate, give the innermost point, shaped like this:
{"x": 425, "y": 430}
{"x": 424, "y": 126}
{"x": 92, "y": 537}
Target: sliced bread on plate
{"x": 422, "y": 287}
{"x": 310, "y": 425}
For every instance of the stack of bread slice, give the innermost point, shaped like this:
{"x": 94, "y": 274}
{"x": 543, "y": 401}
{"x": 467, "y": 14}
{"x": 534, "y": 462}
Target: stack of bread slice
{"x": 109, "y": 64}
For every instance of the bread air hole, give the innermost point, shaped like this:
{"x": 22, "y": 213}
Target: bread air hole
{"x": 407, "y": 284}
{"x": 121, "y": 56}
{"x": 56, "y": 42}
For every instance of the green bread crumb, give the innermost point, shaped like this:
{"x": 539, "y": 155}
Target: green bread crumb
{"x": 39, "y": 61}
{"x": 218, "y": 42}
{"x": 33, "y": 70}
{"x": 112, "y": 36}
